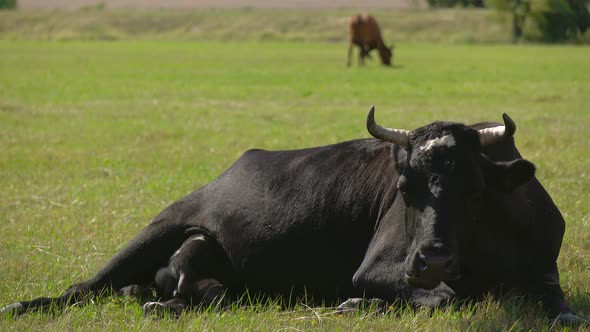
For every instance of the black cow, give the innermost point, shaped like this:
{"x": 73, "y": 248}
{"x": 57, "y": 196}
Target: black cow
{"x": 441, "y": 212}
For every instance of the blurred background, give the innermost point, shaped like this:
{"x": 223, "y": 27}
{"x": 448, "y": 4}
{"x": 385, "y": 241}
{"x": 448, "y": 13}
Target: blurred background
{"x": 453, "y": 21}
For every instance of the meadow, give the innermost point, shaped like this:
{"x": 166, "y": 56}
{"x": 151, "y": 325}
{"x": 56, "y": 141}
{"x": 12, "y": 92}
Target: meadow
{"x": 97, "y": 137}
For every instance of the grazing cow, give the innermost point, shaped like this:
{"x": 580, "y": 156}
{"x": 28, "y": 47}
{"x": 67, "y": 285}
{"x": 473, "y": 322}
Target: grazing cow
{"x": 364, "y": 32}
{"x": 444, "y": 211}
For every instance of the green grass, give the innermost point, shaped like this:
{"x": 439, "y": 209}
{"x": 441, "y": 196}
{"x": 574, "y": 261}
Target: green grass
{"x": 97, "y": 137}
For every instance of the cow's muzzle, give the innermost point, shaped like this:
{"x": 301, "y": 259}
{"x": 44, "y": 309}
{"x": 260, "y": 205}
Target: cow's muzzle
{"x": 429, "y": 266}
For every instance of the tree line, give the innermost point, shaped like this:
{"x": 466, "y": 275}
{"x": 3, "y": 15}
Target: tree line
{"x": 554, "y": 20}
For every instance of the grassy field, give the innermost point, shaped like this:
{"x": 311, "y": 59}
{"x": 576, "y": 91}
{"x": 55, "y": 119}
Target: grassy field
{"x": 97, "y": 137}
{"x": 246, "y": 24}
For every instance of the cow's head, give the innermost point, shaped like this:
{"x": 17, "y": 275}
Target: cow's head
{"x": 442, "y": 182}
{"x": 386, "y": 54}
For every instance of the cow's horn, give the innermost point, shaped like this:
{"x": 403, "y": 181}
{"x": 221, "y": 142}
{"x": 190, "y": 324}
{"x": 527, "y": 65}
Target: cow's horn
{"x": 397, "y": 136}
{"x": 496, "y": 134}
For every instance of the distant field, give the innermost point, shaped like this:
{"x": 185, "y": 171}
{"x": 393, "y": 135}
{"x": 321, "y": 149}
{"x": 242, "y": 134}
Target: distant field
{"x": 98, "y": 137}
{"x": 366, "y": 4}
{"x": 449, "y": 26}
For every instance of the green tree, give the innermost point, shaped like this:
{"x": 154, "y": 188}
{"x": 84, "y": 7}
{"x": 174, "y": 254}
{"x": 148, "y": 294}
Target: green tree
{"x": 556, "y": 20}
{"x": 7, "y": 4}
{"x": 561, "y": 20}
{"x": 519, "y": 10}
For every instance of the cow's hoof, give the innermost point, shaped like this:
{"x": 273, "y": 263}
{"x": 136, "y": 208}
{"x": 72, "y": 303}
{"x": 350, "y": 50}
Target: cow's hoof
{"x": 356, "y": 304}
{"x": 132, "y": 290}
{"x": 570, "y": 319}
{"x": 159, "y": 309}
{"x": 13, "y": 309}
{"x": 350, "y": 305}
{"x": 211, "y": 292}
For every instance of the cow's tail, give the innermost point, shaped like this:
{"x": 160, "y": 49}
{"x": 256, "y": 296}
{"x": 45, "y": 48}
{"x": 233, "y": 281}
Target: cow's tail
{"x": 136, "y": 264}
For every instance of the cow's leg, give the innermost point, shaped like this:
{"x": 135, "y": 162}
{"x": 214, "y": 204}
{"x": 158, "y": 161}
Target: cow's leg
{"x": 204, "y": 292}
{"x": 138, "y": 291}
{"x": 173, "y": 307}
{"x": 136, "y": 264}
{"x": 417, "y": 298}
{"x": 362, "y": 55}
{"x": 192, "y": 276}
{"x": 349, "y": 58}
{"x": 553, "y": 300}
{"x": 367, "y": 51}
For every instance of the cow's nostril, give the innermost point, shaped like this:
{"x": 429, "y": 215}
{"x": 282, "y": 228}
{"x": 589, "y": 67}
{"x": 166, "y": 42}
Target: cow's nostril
{"x": 421, "y": 264}
{"x": 435, "y": 261}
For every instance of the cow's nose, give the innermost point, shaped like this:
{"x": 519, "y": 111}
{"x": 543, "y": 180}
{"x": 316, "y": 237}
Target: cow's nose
{"x": 436, "y": 259}
{"x": 435, "y": 264}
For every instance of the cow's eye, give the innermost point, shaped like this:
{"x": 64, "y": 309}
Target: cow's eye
{"x": 405, "y": 196}
{"x": 404, "y": 188}
{"x": 402, "y": 185}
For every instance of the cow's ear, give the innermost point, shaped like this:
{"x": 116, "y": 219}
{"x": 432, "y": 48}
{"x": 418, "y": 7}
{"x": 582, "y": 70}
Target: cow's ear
{"x": 507, "y": 176}
{"x": 400, "y": 156}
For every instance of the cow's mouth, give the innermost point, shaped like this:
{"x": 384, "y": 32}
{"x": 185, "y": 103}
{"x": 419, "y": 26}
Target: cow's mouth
{"x": 428, "y": 283}
{"x": 428, "y": 267}
{"x": 421, "y": 282}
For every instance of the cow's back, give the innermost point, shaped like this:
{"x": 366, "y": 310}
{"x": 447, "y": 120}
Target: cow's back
{"x": 364, "y": 30}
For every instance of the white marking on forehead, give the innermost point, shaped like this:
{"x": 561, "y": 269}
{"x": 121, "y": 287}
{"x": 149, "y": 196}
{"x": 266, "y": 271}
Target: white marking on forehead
{"x": 447, "y": 140}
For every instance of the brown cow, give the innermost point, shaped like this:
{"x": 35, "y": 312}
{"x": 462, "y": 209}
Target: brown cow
{"x": 364, "y": 32}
